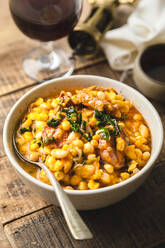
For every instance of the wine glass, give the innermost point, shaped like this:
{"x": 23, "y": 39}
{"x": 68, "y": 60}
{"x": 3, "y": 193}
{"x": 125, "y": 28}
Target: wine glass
{"x": 46, "y": 21}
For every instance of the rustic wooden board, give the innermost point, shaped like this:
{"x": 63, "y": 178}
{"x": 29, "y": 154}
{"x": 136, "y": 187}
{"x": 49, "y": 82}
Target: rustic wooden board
{"x": 12, "y": 76}
{"x": 16, "y": 200}
{"x": 137, "y": 222}
{"x": 6, "y": 103}
{"x": 4, "y": 242}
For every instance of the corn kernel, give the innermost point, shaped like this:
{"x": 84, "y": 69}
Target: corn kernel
{"x": 105, "y": 178}
{"x": 75, "y": 180}
{"x": 68, "y": 187}
{"x": 96, "y": 137}
{"x": 146, "y": 156}
{"x": 82, "y": 185}
{"x": 94, "y": 143}
{"x": 85, "y": 171}
{"x": 74, "y": 152}
{"x": 27, "y": 136}
{"x": 47, "y": 150}
{"x": 59, "y": 153}
{"x": 93, "y": 185}
{"x": 144, "y": 131}
{"x": 58, "y": 165}
{"x": 33, "y": 146}
{"x": 132, "y": 165}
{"x": 66, "y": 125}
{"x": 124, "y": 175}
{"x": 67, "y": 166}
{"x": 78, "y": 143}
{"x": 120, "y": 144}
{"x": 109, "y": 168}
{"x": 88, "y": 148}
{"x": 59, "y": 175}
{"x": 137, "y": 117}
{"x": 50, "y": 160}
{"x": 34, "y": 156}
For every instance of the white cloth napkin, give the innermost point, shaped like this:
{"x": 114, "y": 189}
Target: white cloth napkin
{"x": 145, "y": 26}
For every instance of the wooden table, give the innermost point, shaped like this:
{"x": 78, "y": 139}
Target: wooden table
{"x": 28, "y": 221}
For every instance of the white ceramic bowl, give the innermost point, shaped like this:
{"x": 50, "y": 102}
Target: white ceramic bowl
{"x": 86, "y": 199}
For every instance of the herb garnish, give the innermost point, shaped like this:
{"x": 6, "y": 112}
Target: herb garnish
{"x": 24, "y": 129}
{"x": 104, "y": 119}
{"x": 53, "y": 123}
{"x": 77, "y": 124}
{"x": 47, "y": 141}
{"x": 105, "y": 133}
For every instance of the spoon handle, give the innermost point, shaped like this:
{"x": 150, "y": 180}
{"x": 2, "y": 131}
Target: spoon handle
{"x": 78, "y": 228}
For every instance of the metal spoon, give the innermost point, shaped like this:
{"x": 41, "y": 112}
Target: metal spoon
{"x": 77, "y": 227}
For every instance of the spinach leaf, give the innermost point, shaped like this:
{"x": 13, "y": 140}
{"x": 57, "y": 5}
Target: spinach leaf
{"x": 104, "y": 119}
{"x": 105, "y": 133}
{"x": 77, "y": 123}
{"x": 23, "y": 130}
{"x": 47, "y": 141}
{"x": 53, "y": 123}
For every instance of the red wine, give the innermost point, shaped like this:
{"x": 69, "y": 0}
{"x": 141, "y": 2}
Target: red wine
{"x": 45, "y": 20}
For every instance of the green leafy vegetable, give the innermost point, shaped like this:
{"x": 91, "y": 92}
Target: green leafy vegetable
{"x": 104, "y": 119}
{"x": 47, "y": 141}
{"x": 23, "y": 130}
{"x": 77, "y": 124}
{"x": 105, "y": 133}
{"x": 53, "y": 123}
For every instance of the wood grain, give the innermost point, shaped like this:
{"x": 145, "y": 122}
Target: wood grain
{"x": 4, "y": 242}
{"x": 12, "y": 76}
{"x": 16, "y": 200}
{"x": 137, "y": 222}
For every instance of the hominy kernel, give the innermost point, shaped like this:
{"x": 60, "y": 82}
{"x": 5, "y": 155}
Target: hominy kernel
{"x": 109, "y": 168}
{"x": 105, "y": 178}
{"x": 59, "y": 153}
{"x": 96, "y": 137}
{"x": 94, "y": 143}
{"x": 120, "y": 144}
{"x": 144, "y": 131}
{"x": 75, "y": 180}
{"x": 88, "y": 148}
{"x": 66, "y": 125}
{"x": 124, "y": 175}
{"x": 78, "y": 143}
{"x": 59, "y": 175}
{"x": 82, "y": 185}
{"x": 93, "y": 185}
{"x": 146, "y": 155}
{"x": 34, "y": 156}
{"x": 137, "y": 117}
{"x": 58, "y": 165}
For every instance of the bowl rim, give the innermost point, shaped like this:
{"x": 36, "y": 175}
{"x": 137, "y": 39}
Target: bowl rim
{"x": 45, "y": 186}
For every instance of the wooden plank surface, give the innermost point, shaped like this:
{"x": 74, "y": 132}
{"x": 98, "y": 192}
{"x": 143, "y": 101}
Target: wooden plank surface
{"x": 4, "y": 242}
{"x": 16, "y": 199}
{"x": 30, "y": 222}
{"x": 137, "y": 222}
{"x": 12, "y": 76}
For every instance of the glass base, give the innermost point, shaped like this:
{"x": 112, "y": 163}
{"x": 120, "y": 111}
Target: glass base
{"x": 47, "y": 62}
